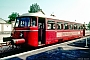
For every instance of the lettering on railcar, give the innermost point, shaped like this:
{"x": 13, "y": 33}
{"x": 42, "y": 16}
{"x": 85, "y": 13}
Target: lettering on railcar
{"x": 60, "y": 34}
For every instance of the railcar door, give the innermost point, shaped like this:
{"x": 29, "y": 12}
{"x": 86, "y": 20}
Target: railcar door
{"x": 41, "y": 31}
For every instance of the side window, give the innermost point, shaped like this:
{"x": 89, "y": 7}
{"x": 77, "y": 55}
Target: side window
{"x": 81, "y": 27}
{"x": 51, "y": 24}
{"x": 75, "y": 26}
{"x": 71, "y": 26}
{"x": 59, "y": 25}
{"x": 17, "y": 22}
{"x": 66, "y": 26}
{"x": 78, "y": 27}
{"x": 34, "y": 21}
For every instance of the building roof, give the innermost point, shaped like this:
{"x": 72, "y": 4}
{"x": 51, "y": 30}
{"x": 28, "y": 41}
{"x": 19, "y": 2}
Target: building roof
{"x": 2, "y": 20}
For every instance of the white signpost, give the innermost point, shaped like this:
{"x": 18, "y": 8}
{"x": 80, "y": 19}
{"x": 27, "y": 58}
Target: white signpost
{"x": 86, "y": 42}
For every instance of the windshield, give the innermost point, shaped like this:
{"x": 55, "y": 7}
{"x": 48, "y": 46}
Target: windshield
{"x": 26, "y": 21}
{"x": 22, "y": 22}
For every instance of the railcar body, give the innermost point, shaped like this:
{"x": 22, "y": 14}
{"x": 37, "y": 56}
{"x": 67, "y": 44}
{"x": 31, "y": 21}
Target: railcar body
{"x": 35, "y": 30}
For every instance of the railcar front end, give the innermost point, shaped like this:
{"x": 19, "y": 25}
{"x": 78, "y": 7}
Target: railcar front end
{"x": 24, "y": 32}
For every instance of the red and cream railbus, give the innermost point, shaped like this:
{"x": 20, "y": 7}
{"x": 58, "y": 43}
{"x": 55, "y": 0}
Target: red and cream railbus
{"x": 35, "y": 29}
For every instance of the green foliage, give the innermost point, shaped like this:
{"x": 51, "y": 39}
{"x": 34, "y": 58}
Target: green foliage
{"x": 12, "y": 17}
{"x": 9, "y": 22}
{"x": 34, "y": 8}
{"x": 88, "y": 25}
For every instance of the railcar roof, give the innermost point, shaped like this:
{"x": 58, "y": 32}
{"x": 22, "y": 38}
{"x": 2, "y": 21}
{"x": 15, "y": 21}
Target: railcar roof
{"x": 44, "y": 16}
{"x": 38, "y": 15}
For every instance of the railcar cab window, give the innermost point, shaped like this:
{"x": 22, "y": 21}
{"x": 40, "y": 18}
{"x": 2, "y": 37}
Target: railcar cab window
{"x": 66, "y": 26}
{"x": 59, "y": 25}
{"x": 33, "y": 21}
{"x": 51, "y": 24}
{"x": 22, "y": 22}
{"x": 26, "y": 22}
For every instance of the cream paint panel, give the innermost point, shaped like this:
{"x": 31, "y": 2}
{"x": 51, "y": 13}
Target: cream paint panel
{"x": 7, "y": 27}
{"x": 60, "y": 34}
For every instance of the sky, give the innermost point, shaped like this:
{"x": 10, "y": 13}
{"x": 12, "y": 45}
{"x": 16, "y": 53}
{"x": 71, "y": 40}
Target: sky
{"x": 69, "y": 10}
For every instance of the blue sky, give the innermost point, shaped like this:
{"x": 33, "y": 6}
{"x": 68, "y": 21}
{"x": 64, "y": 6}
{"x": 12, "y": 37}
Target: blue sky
{"x": 70, "y": 10}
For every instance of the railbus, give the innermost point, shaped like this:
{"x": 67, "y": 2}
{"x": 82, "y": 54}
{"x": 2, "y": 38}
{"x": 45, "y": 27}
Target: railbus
{"x": 33, "y": 29}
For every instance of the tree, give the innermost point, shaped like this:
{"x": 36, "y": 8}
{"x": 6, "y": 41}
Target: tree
{"x": 34, "y": 8}
{"x": 12, "y": 17}
{"x": 88, "y": 25}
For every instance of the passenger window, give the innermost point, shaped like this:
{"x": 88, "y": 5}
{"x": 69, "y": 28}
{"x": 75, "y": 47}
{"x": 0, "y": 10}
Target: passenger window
{"x": 51, "y": 24}
{"x": 81, "y": 27}
{"x": 59, "y": 25}
{"x": 71, "y": 27}
{"x": 78, "y": 27}
{"x": 66, "y": 26}
{"x": 75, "y": 26}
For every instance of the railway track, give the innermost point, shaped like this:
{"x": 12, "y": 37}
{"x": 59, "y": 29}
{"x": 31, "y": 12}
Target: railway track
{"x": 9, "y": 50}
{"x": 40, "y": 50}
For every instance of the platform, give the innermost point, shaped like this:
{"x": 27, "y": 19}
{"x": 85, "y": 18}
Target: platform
{"x": 63, "y": 47}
